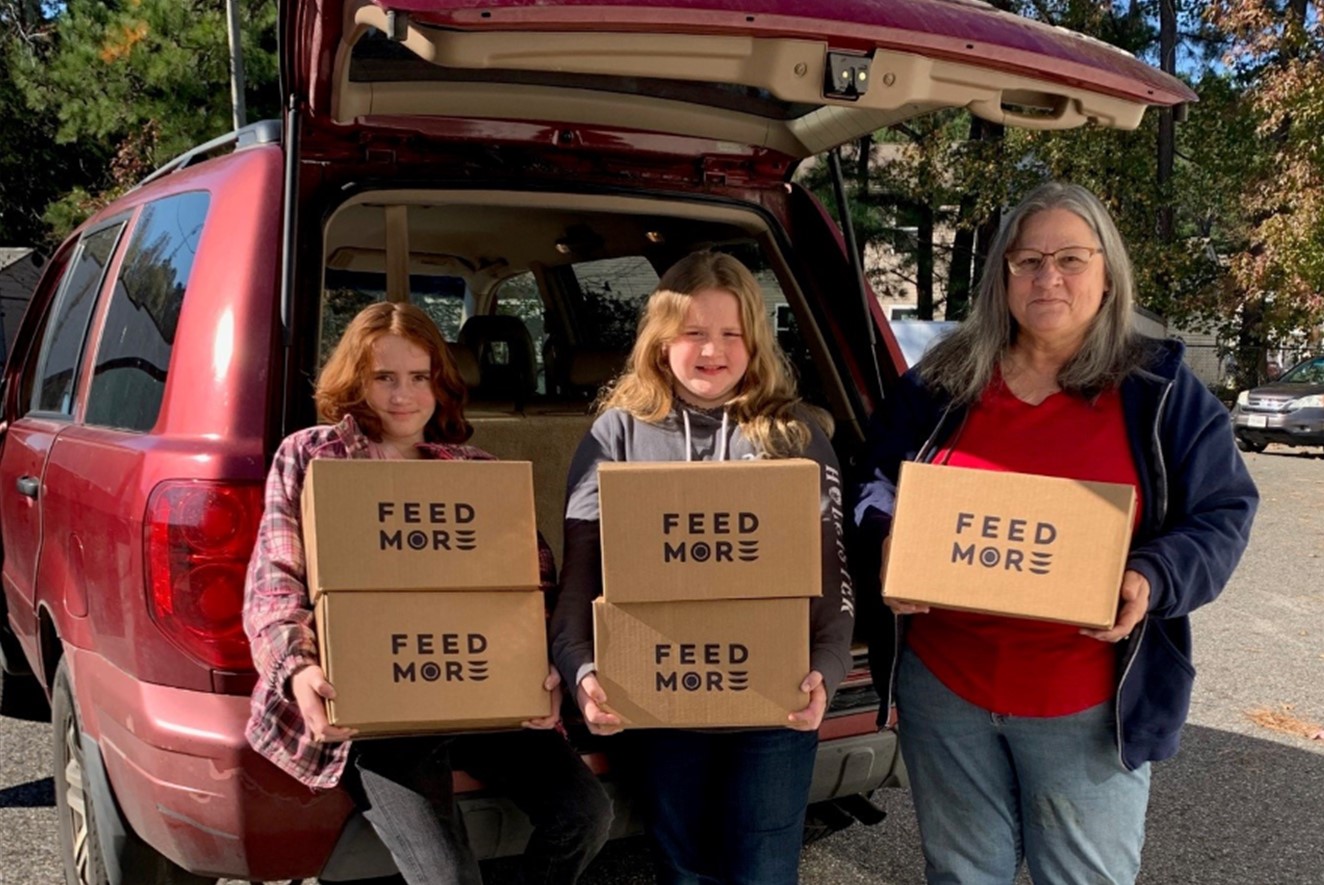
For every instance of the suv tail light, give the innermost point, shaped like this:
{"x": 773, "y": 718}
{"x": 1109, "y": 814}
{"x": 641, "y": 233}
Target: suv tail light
{"x": 198, "y": 539}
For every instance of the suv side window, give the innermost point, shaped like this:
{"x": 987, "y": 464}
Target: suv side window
{"x": 443, "y": 298}
{"x": 615, "y": 291}
{"x": 611, "y": 293}
{"x": 518, "y": 296}
{"x": 133, "y": 356}
{"x": 62, "y": 348}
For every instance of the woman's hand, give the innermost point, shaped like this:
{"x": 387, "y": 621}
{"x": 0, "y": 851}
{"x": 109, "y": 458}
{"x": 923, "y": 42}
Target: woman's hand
{"x": 897, "y": 607}
{"x": 311, "y": 691}
{"x": 811, "y": 716}
{"x": 552, "y": 685}
{"x": 1134, "y": 606}
{"x": 592, "y": 700}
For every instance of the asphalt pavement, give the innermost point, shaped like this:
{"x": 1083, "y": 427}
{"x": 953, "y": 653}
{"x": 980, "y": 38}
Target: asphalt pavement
{"x": 1242, "y": 804}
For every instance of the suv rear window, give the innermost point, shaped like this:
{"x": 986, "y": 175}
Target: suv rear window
{"x": 615, "y": 291}
{"x": 138, "y": 336}
{"x": 541, "y": 295}
{"x": 349, "y": 291}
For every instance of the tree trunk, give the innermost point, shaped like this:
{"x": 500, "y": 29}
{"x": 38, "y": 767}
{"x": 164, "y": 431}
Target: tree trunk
{"x": 961, "y": 273}
{"x": 988, "y": 228}
{"x": 1248, "y": 359}
{"x": 862, "y": 197}
{"x": 1167, "y": 133}
{"x": 924, "y": 261}
{"x": 984, "y": 237}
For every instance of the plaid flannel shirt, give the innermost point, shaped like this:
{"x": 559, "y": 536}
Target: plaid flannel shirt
{"x": 278, "y": 613}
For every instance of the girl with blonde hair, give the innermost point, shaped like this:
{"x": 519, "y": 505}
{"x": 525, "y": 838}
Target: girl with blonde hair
{"x": 706, "y": 381}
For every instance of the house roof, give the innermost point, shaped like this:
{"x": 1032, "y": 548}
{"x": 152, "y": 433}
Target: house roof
{"x": 12, "y": 255}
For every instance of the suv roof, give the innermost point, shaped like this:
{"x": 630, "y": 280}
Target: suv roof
{"x": 787, "y": 76}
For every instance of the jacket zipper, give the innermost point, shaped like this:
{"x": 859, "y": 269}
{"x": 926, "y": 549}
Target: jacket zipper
{"x": 924, "y": 453}
{"x": 1162, "y": 514}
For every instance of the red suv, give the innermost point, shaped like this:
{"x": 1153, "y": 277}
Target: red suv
{"x": 523, "y": 170}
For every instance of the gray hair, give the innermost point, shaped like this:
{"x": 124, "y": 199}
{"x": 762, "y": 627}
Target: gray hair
{"x": 962, "y": 364}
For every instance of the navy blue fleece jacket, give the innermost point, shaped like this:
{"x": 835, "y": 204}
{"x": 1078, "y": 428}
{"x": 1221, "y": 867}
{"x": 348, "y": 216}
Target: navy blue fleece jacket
{"x": 1198, "y": 502}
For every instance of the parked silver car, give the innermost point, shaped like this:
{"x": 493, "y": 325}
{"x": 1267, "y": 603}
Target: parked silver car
{"x": 1290, "y": 410}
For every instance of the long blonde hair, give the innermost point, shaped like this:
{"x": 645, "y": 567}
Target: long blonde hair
{"x": 342, "y": 383}
{"x": 765, "y": 402}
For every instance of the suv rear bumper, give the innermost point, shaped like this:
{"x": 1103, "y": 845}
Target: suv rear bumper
{"x": 853, "y": 758}
{"x": 180, "y": 772}
{"x": 176, "y": 768}
{"x": 1303, "y": 427}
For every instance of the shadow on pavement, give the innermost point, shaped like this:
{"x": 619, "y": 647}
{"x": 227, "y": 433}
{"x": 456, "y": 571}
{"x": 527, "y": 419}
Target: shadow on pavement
{"x": 1232, "y": 809}
{"x": 33, "y": 794}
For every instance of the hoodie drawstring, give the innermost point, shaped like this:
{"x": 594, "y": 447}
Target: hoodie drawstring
{"x": 721, "y": 441}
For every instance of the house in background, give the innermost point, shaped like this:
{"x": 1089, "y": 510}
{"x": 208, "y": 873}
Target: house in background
{"x": 19, "y": 270}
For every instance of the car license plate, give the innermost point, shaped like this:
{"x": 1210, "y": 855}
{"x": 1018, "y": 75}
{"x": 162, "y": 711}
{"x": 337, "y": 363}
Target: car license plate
{"x": 1257, "y": 421}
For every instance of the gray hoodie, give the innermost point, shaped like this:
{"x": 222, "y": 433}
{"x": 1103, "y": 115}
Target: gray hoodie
{"x": 688, "y": 434}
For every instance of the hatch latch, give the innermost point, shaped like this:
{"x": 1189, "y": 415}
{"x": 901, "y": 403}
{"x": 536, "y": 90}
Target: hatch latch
{"x": 397, "y": 26}
{"x": 845, "y": 76}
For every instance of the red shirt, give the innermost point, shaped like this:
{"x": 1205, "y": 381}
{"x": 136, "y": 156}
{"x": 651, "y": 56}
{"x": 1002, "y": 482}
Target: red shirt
{"x": 1018, "y": 666}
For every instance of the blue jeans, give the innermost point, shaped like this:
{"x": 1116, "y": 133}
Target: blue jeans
{"x": 990, "y": 789}
{"x": 727, "y": 806}
{"x": 403, "y": 786}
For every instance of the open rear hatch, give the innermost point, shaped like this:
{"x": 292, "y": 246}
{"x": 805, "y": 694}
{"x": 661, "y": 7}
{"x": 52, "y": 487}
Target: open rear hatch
{"x": 693, "y": 77}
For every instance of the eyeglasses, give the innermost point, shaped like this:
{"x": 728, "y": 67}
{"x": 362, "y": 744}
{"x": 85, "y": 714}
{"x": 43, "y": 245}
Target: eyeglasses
{"x": 1069, "y": 261}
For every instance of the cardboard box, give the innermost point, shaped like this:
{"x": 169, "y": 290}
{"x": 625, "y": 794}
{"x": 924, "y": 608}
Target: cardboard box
{"x": 703, "y": 664}
{"x": 709, "y": 530}
{"x": 1009, "y": 543}
{"x": 419, "y": 525}
{"x": 418, "y": 661}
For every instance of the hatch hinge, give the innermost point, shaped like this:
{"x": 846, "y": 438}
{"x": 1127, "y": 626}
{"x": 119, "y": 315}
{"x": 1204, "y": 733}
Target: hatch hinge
{"x": 397, "y": 25}
{"x": 845, "y": 75}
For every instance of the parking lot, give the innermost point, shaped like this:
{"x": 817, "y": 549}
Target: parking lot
{"x": 1241, "y": 803}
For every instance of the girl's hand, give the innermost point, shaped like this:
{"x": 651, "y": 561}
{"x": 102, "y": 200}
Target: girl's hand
{"x": 311, "y": 691}
{"x": 1132, "y": 610}
{"x": 551, "y": 684}
{"x": 811, "y": 716}
{"x": 591, "y": 699}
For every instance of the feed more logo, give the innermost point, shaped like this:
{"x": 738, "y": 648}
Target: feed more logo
{"x": 439, "y": 657}
{"x": 426, "y": 525}
{"x": 719, "y": 536}
{"x": 1003, "y": 542}
{"x": 693, "y": 667}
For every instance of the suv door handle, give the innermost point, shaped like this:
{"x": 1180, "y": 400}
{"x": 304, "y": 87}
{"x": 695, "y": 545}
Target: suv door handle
{"x": 28, "y": 485}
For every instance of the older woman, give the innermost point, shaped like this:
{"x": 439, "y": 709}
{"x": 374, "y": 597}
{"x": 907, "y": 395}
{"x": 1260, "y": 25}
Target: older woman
{"x": 1026, "y": 739}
